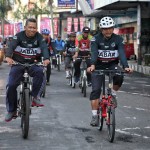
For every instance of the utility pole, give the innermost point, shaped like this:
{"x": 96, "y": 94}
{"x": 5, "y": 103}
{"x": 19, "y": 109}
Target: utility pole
{"x": 51, "y": 12}
{"x": 139, "y": 34}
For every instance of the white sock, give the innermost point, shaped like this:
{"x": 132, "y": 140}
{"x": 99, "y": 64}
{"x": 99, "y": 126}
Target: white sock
{"x": 67, "y": 72}
{"x": 94, "y": 112}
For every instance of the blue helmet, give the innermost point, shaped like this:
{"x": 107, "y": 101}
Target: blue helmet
{"x": 45, "y": 31}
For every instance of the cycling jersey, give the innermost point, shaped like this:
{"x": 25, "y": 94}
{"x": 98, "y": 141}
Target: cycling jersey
{"x": 106, "y": 52}
{"x": 59, "y": 45}
{"x": 70, "y": 47}
{"x": 50, "y": 44}
{"x": 83, "y": 45}
{"x": 26, "y": 50}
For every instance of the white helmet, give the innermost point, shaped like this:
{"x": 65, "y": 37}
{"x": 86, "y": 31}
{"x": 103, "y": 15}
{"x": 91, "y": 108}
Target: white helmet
{"x": 106, "y": 22}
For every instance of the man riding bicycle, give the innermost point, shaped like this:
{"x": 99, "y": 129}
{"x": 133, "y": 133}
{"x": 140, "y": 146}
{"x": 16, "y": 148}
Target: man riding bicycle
{"x": 106, "y": 50}
{"x": 26, "y": 47}
{"x": 69, "y": 52}
{"x": 82, "y": 49}
{"x": 50, "y": 44}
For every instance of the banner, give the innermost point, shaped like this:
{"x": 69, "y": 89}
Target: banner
{"x": 6, "y": 29}
{"x": 75, "y": 20}
{"x": 11, "y": 29}
{"x": 82, "y": 23}
{"x": 45, "y": 24}
{"x": 18, "y": 27}
{"x": 66, "y": 3}
{"x": 55, "y": 21}
{"x": 69, "y": 25}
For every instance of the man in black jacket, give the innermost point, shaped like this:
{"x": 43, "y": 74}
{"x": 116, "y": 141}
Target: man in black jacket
{"x": 26, "y": 47}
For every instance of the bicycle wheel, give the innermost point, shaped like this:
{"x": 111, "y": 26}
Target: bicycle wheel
{"x": 25, "y": 107}
{"x": 111, "y": 123}
{"x": 70, "y": 79}
{"x": 84, "y": 87}
{"x": 44, "y": 86}
{"x": 100, "y": 119}
{"x": 58, "y": 64}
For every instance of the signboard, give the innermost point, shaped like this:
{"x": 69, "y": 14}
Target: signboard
{"x": 82, "y": 23}
{"x": 69, "y": 25}
{"x": 45, "y": 24}
{"x": 75, "y": 20}
{"x": 66, "y": 3}
{"x": 55, "y": 21}
{"x": 18, "y": 27}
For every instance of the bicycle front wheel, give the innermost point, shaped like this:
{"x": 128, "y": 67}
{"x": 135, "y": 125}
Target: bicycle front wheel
{"x": 25, "y": 107}
{"x": 100, "y": 119}
{"x": 84, "y": 87}
{"x": 111, "y": 124}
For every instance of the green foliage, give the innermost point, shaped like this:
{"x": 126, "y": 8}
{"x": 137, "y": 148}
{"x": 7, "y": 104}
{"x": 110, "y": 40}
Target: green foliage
{"x": 24, "y": 12}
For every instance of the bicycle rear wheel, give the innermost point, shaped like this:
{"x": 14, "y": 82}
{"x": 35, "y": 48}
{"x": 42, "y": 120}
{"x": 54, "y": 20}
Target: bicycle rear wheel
{"x": 25, "y": 107}
{"x": 111, "y": 123}
{"x": 100, "y": 119}
{"x": 44, "y": 85}
{"x": 58, "y": 64}
{"x": 84, "y": 87}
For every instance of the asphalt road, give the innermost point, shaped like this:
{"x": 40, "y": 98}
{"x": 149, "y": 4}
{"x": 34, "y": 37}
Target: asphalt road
{"x": 64, "y": 122}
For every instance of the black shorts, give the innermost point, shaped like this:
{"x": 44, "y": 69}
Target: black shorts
{"x": 97, "y": 82}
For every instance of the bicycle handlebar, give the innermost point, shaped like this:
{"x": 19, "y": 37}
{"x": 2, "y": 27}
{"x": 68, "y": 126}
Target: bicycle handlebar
{"x": 108, "y": 71}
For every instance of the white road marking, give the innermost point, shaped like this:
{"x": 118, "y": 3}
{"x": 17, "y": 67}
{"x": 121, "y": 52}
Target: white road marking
{"x": 127, "y": 106}
{"x": 131, "y": 128}
{"x": 2, "y": 95}
{"x": 128, "y": 133}
{"x": 7, "y": 129}
{"x": 130, "y": 118}
{"x": 141, "y": 109}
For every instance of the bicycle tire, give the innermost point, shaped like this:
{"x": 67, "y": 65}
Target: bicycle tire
{"x": 25, "y": 113}
{"x": 111, "y": 123}
{"x": 84, "y": 87}
{"x": 100, "y": 119}
{"x": 70, "y": 80}
{"x": 44, "y": 89}
{"x": 58, "y": 65}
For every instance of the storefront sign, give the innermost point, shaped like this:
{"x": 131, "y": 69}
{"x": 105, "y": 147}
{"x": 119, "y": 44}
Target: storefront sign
{"x": 66, "y": 3}
{"x": 75, "y": 20}
{"x": 69, "y": 25}
{"x": 18, "y": 27}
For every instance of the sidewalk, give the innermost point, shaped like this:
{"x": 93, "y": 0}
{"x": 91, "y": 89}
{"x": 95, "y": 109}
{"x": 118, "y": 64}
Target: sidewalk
{"x": 139, "y": 68}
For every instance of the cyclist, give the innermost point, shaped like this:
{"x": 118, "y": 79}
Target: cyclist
{"x": 50, "y": 44}
{"x": 82, "y": 49}
{"x": 106, "y": 50}
{"x": 69, "y": 52}
{"x": 26, "y": 47}
{"x": 59, "y": 44}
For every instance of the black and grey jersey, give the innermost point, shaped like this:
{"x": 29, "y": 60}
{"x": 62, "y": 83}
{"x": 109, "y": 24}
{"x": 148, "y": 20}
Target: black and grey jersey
{"x": 26, "y": 50}
{"x": 105, "y": 52}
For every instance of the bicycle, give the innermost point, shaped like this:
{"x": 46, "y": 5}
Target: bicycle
{"x": 25, "y": 99}
{"x": 58, "y": 60}
{"x": 71, "y": 75}
{"x": 106, "y": 110}
{"x": 83, "y": 77}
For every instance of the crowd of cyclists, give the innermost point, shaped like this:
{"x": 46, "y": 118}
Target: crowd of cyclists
{"x": 105, "y": 49}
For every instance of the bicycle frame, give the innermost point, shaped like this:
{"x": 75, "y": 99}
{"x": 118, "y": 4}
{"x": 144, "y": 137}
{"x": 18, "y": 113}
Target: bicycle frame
{"x": 106, "y": 110}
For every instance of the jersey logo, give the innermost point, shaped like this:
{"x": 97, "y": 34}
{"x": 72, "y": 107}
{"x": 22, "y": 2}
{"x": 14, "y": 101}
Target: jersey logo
{"x": 108, "y": 54}
{"x": 93, "y": 39}
{"x": 113, "y": 44}
{"x": 28, "y": 51}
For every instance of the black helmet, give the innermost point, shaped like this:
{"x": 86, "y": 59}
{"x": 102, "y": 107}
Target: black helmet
{"x": 86, "y": 29}
{"x": 72, "y": 34}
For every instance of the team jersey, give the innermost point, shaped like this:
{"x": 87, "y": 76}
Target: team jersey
{"x": 70, "y": 47}
{"x": 26, "y": 50}
{"x": 83, "y": 45}
{"x": 105, "y": 52}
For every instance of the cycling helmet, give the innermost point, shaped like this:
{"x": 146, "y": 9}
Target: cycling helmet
{"x": 45, "y": 31}
{"x": 106, "y": 22}
{"x": 72, "y": 34}
{"x": 86, "y": 29}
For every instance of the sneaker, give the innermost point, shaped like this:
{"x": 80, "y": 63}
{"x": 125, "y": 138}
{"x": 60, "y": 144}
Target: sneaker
{"x": 114, "y": 100}
{"x": 89, "y": 83}
{"x": 9, "y": 116}
{"x": 47, "y": 83}
{"x": 94, "y": 121}
{"x": 37, "y": 102}
{"x": 67, "y": 76}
